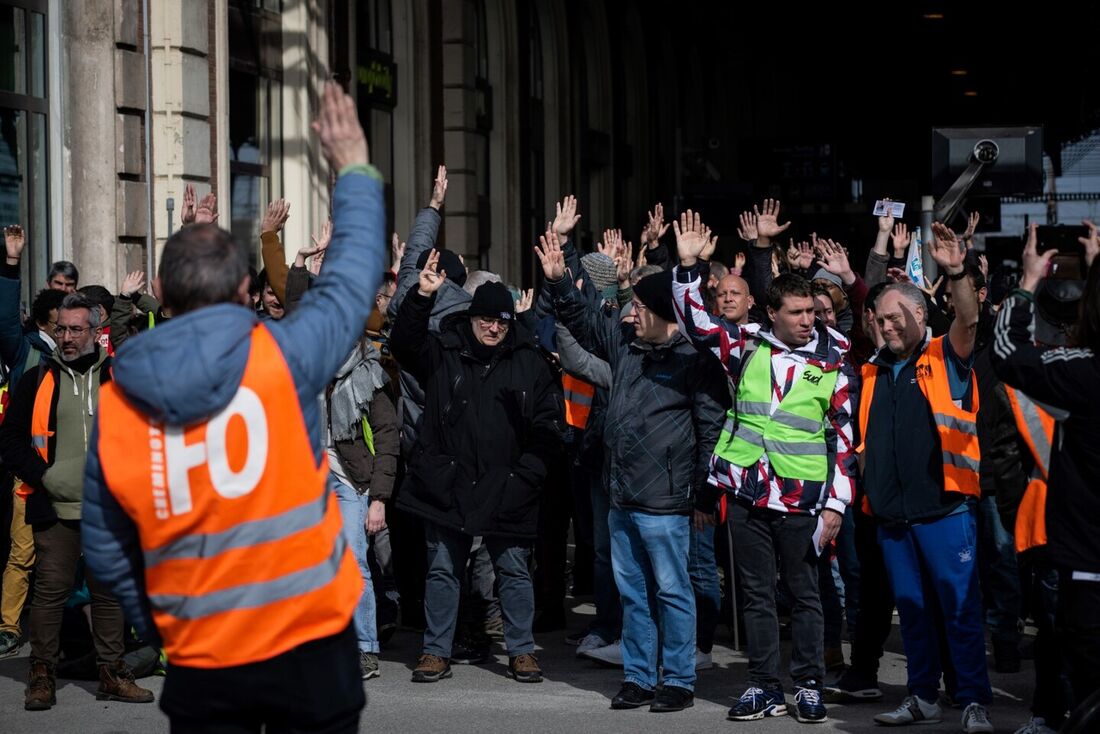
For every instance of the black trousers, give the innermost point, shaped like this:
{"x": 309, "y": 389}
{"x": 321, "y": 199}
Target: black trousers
{"x": 314, "y": 688}
{"x": 1078, "y": 602}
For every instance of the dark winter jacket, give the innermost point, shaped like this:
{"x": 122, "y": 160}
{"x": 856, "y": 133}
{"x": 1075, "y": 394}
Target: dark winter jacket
{"x": 488, "y": 433}
{"x": 1065, "y": 379}
{"x": 665, "y": 414}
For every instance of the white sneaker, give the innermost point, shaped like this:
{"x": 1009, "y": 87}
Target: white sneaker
{"x": 703, "y": 660}
{"x": 976, "y": 720}
{"x": 1037, "y": 725}
{"x": 591, "y": 641}
{"x": 913, "y": 710}
{"x": 608, "y": 655}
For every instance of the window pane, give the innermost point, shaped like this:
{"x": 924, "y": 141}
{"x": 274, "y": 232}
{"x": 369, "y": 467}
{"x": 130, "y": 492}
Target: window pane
{"x": 13, "y": 164}
{"x": 244, "y": 129}
{"x": 37, "y": 55}
{"x": 39, "y": 209}
{"x": 249, "y": 194}
{"x": 381, "y": 144}
{"x": 13, "y": 55}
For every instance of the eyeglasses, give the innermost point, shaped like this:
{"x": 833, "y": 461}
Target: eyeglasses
{"x": 485, "y": 322}
{"x": 638, "y": 306}
{"x": 74, "y": 330}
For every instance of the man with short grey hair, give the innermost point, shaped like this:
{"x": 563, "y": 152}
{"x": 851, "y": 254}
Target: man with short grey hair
{"x": 918, "y": 423}
{"x": 44, "y": 442}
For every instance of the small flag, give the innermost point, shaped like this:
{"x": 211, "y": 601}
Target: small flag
{"x": 914, "y": 266}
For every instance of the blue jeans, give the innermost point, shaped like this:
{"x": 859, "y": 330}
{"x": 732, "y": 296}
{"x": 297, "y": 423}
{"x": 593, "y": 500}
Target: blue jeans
{"x": 942, "y": 554}
{"x": 448, "y": 552}
{"x": 1000, "y": 575}
{"x": 609, "y": 609}
{"x": 649, "y": 556}
{"x": 703, "y": 570}
{"x": 353, "y": 509}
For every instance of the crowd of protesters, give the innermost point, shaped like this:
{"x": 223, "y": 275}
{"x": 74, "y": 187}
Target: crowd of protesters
{"x": 775, "y": 438}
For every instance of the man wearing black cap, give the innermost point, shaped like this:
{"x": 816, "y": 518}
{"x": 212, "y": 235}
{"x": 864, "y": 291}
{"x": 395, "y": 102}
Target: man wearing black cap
{"x": 662, "y": 421}
{"x": 492, "y": 424}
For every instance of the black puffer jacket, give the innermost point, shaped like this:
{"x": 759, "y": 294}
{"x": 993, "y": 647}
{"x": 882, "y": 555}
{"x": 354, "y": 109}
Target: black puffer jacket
{"x": 488, "y": 431}
{"x": 665, "y": 411}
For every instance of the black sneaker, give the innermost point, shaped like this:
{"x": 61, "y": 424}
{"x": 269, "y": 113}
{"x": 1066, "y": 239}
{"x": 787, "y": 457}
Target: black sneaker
{"x": 808, "y": 707}
{"x": 757, "y": 703}
{"x": 853, "y": 687}
{"x": 672, "y": 698}
{"x": 632, "y": 696}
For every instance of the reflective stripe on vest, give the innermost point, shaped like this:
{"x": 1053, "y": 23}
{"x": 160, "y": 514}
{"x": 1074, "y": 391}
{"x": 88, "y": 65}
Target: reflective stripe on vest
{"x": 40, "y": 417}
{"x": 578, "y": 400}
{"x": 1036, "y": 427}
{"x": 152, "y": 320}
{"x": 957, "y": 428}
{"x": 793, "y": 435}
{"x": 244, "y": 548}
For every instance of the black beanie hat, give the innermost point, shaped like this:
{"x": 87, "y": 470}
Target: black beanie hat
{"x": 655, "y": 292}
{"x": 493, "y": 300}
{"x": 448, "y": 263}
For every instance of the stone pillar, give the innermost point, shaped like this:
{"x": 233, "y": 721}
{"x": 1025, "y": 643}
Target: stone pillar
{"x": 90, "y": 133}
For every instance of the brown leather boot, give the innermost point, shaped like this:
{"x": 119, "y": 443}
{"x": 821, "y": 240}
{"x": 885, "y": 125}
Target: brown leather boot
{"x": 116, "y": 683}
{"x": 41, "y": 693}
{"x": 525, "y": 668}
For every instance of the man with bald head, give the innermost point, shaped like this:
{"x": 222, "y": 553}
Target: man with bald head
{"x": 734, "y": 300}
{"x": 918, "y": 411}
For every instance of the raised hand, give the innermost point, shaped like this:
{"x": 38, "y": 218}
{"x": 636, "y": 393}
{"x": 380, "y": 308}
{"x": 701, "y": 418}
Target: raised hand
{"x": 132, "y": 283}
{"x": 656, "y": 227}
{"x": 439, "y": 189}
{"x": 316, "y": 262}
{"x": 550, "y": 254}
{"x": 342, "y": 140}
{"x": 397, "y": 250}
{"x": 1091, "y": 242}
{"x": 14, "y": 242}
{"x": 747, "y": 230}
{"x": 566, "y": 218}
{"x": 983, "y": 265}
{"x": 623, "y": 266}
{"x": 767, "y": 221}
{"x": 896, "y": 275}
{"x": 526, "y": 299}
{"x": 886, "y": 221}
{"x": 207, "y": 211}
{"x": 712, "y": 244}
{"x": 900, "y": 238}
{"x": 800, "y": 256}
{"x": 738, "y": 263}
{"x": 930, "y": 288}
{"x": 431, "y": 277}
{"x": 834, "y": 259}
{"x": 691, "y": 238}
{"x": 187, "y": 211}
{"x": 1035, "y": 266}
{"x": 320, "y": 244}
{"x": 971, "y": 226}
{"x": 946, "y": 249}
{"x": 275, "y": 217}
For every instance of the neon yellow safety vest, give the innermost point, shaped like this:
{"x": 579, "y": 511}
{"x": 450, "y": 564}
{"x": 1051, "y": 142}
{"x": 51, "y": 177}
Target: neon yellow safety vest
{"x": 794, "y": 435}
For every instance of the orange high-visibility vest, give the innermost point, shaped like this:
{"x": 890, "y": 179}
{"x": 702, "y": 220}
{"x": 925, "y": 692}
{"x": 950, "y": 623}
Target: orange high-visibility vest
{"x": 244, "y": 549}
{"x": 1036, "y": 427}
{"x": 578, "y": 400}
{"x": 957, "y": 428}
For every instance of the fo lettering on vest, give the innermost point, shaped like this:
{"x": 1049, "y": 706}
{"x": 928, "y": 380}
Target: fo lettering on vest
{"x": 243, "y": 543}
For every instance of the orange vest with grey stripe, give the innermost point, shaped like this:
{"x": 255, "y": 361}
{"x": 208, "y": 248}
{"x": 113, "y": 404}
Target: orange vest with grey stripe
{"x": 957, "y": 428}
{"x": 1036, "y": 427}
{"x": 578, "y": 400}
{"x": 244, "y": 550}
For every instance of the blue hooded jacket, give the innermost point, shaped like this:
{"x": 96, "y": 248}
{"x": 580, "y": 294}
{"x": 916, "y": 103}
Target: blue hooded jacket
{"x": 190, "y": 367}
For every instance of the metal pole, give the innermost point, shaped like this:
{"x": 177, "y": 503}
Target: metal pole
{"x": 171, "y": 206}
{"x": 732, "y": 580}
{"x": 931, "y": 269}
{"x": 150, "y": 236}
